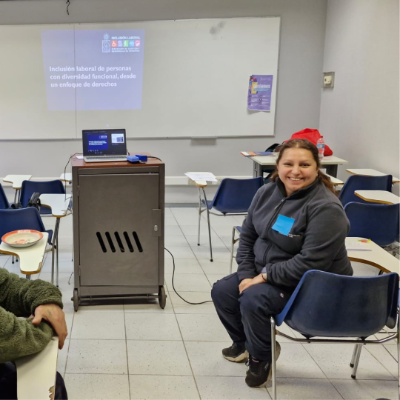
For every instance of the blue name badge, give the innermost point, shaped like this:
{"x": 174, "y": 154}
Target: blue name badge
{"x": 283, "y": 224}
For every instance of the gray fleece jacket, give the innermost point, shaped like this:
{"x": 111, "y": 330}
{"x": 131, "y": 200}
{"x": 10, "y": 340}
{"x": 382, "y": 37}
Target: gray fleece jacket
{"x": 315, "y": 240}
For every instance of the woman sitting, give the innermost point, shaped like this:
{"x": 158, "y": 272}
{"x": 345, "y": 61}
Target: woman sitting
{"x": 294, "y": 224}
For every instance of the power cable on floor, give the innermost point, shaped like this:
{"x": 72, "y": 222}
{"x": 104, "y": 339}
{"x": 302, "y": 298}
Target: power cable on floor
{"x": 173, "y": 286}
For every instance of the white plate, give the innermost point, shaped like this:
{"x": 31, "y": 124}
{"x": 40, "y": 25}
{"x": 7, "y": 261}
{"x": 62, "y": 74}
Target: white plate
{"x": 22, "y": 238}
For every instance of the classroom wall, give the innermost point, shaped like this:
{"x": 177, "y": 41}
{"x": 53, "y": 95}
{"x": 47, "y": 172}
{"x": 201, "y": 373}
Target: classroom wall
{"x": 360, "y": 115}
{"x": 298, "y": 97}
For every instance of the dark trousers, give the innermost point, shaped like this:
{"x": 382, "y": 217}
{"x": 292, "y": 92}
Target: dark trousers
{"x": 8, "y": 384}
{"x": 246, "y": 316}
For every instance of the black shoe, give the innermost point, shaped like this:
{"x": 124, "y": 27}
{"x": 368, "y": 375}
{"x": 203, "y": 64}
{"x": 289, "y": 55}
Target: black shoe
{"x": 236, "y": 353}
{"x": 259, "y": 372}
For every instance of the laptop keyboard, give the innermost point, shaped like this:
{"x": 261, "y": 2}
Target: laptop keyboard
{"x": 105, "y": 158}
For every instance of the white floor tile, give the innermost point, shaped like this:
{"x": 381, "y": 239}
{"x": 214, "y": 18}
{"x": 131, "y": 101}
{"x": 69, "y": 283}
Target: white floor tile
{"x": 188, "y": 282}
{"x": 182, "y": 266}
{"x": 229, "y": 388}
{"x": 305, "y": 389}
{"x": 97, "y": 386}
{"x": 151, "y": 326}
{"x": 181, "y": 307}
{"x": 157, "y": 358}
{"x": 334, "y": 361}
{"x": 366, "y": 389}
{"x": 97, "y": 357}
{"x": 202, "y": 327}
{"x": 98, "y": 325}
{"x": 163, "y": 387}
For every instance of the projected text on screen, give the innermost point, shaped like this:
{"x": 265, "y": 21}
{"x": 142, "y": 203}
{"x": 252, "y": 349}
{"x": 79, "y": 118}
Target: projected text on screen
{"x": 93, "y": 69}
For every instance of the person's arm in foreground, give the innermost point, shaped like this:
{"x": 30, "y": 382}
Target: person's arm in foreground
{"x": 20, "y": 297}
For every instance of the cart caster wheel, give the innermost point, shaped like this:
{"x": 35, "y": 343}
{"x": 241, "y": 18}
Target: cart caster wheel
{"x": 75, "y": 299}
{"x": 162, "y": 297}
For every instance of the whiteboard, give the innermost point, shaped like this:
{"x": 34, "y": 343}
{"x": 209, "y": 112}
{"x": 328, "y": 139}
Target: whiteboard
{"x": 195, "y": 81}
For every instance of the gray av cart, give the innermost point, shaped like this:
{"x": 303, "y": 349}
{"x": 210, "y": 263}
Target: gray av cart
{"x": 118, "y": 223}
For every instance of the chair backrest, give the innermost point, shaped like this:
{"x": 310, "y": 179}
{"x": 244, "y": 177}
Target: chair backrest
{"x": 326, "y": 304}
{"x": 359, "y": 182}
{"x": 3, "y": 199}
{"x": 378, "y": 222}
{"x": 30, "y": 187}
{"x": 22, "y": 218}
{"x": 235, "y": 195}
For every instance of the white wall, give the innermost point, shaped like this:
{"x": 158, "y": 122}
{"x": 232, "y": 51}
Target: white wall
{"x": 299, "y": 83}
{"x": 360, "y": 115}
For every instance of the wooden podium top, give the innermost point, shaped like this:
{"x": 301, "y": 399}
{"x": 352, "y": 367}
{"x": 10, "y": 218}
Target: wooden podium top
{"x": 80, "y": 163}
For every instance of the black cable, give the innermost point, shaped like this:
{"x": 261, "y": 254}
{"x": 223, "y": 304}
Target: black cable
{"x": 65, "y": 182}
{"x": 173, "y": 286}
{"x": 67, "y": 3}
{"x": 157, "y": 159}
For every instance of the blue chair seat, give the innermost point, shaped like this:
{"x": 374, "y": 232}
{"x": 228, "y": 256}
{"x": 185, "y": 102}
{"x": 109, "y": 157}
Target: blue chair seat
{"x": 334, "y": 306}
{"x": 378, "y": 222}
{"x": 360, "y": 182}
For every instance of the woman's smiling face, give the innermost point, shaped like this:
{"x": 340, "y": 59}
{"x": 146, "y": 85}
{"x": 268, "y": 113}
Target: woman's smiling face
{"x": 297, "y": 169}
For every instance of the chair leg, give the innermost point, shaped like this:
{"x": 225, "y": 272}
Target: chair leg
{"x": 353, "y": 357}
{"x": 398, "y": 355}
{"x": 356, "y": 360}
{"x": 52, "y": 262}
{"x": 232, "y": 246}
{"x": 273, "y": 362}
{"x": 209, "y": 226}
{"x": 198, "y": 230}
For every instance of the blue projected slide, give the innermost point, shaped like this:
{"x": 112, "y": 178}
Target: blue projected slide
{"x": 93, "y": 69}
{"x": 97, "y": 142}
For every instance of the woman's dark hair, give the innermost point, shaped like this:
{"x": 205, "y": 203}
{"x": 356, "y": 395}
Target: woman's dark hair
{"x": 306, "y": 145}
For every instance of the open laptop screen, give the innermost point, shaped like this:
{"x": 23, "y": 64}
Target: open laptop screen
{"x": 98, "y": 142}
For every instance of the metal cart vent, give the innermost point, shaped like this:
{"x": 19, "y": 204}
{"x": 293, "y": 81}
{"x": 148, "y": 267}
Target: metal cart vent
{"x": 118, "y": 242}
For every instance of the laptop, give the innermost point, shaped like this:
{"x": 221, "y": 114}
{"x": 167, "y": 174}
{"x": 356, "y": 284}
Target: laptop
{"x": 104, "y": 145}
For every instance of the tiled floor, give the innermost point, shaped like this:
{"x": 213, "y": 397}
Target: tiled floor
{"x": 138, "y": 351}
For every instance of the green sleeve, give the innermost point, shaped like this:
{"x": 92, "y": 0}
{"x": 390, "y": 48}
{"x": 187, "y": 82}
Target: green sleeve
{"x": 20, "y": 297}
{"x": 19, "y": 337}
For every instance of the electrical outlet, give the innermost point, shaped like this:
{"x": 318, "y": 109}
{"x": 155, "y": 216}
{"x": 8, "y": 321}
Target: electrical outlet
{"x": 329, "y": 79}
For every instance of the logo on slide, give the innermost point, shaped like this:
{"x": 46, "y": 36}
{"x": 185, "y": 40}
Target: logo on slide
{"x": 106, "y": 46}
{"x": 120, "y": 43}
{"x": 131, "y": 43}
{"x": 126, "y": 43}
{"x": 113, "y": 43}
{"x": 137, "y": 43}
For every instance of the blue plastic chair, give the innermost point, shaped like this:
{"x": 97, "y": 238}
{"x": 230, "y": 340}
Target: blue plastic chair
{"x": 360, "y": 182}
{"x": 25, "y": 218}
{"x": 30, "y": 187}
{"x": 378, "y": 222}
{"x": 233, "y": 196}
{"x": 4, "y": 204}
{"x": 338, "y": 307}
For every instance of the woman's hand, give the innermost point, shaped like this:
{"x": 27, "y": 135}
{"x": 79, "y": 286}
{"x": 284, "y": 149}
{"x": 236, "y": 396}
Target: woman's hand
{"x": 246, "y": 283}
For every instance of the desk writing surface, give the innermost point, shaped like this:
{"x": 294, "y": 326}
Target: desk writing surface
{"x": 17, "y": 180}
{"x": 378, "y": 196}
{"x": 57, "y": 202}
{"x": 31, "y": 258}
{"x": 377, "y": 257}
{"x": 369, "y": 172}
